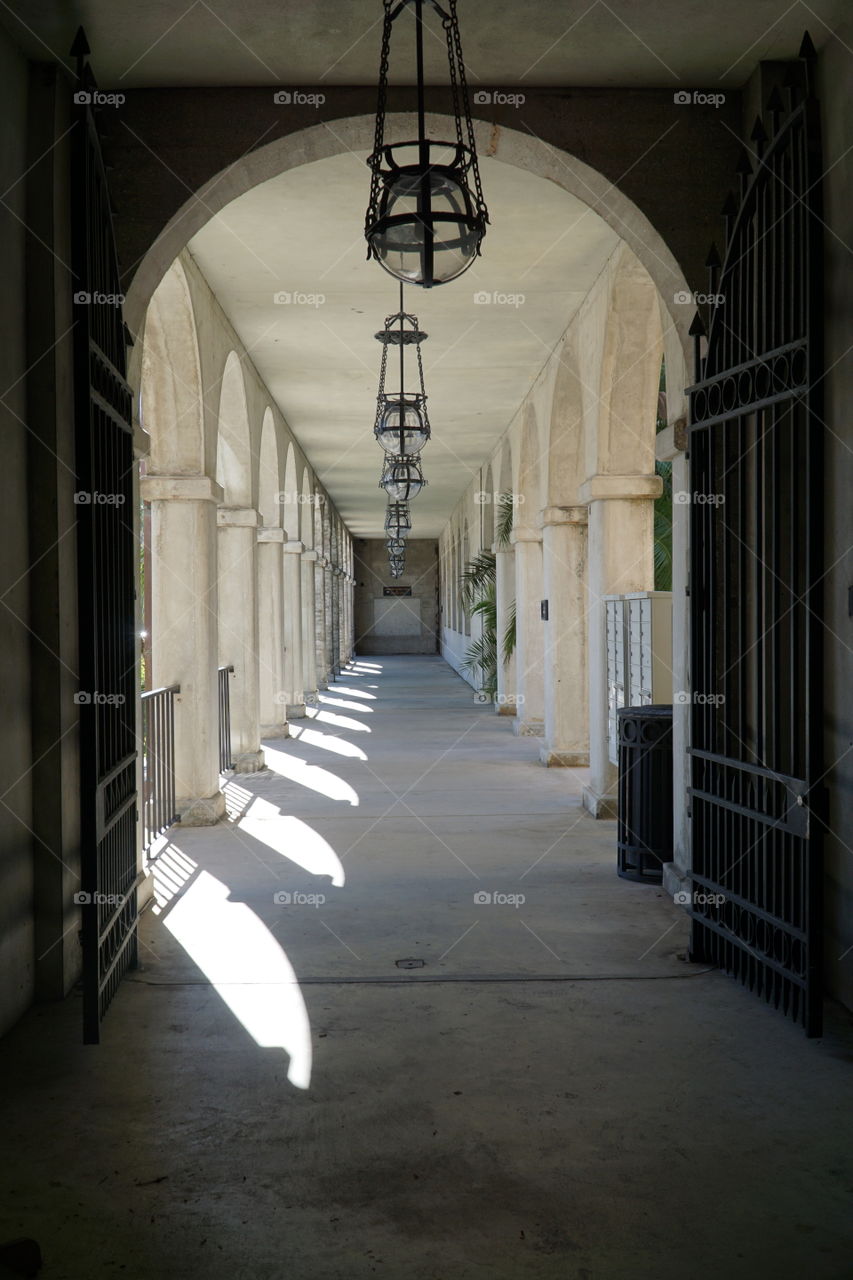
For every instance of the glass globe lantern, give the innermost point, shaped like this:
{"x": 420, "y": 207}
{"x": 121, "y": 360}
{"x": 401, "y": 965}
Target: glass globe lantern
{"x": 402, "y": 478}
{"x": 401, "y": 426}
{"x": 396, "y": 571}
{"x": 426, "y": 216}
{"x": 398, "y": 522}
{"x": 393, "y": 545}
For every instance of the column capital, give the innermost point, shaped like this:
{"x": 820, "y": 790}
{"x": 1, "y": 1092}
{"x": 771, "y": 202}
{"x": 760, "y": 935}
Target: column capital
{"x": 564, "y": 515}
{"x": 294, "y": 547}
{"x": 237, "y": 518}
{"x": 601, "y": 488}
{"x": 309, "y": 556}
{"x": 337, "y": 571}
{"x": 157, "y": 488}
{"x": 523, "y": 533}
{"x": 270, "y": 534}
{"x": 322, "y": 562}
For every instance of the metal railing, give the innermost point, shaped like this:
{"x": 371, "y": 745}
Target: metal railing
{"x": 225, "y": 758}
{"x": 158, "y": 762}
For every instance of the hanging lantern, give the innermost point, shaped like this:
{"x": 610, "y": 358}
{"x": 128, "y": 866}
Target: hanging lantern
{"x": 402, "y": 478}
{"x": 402, "y": 425}
{"x": 424, "y": 222}
{"x": 393, "y": 545}
{"x": 398, "y": 522}
{"x": 396, "y": 571}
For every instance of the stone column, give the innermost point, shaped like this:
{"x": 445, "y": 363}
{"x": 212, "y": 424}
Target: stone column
{"x": 294, "y": 678}
{"x": 505, "y": 598}
{"x": 529, "y": 650}
{"x": 620, "y": 559}
{"x": 309, "y": 643}
{"x": 273, "y": 705}
{"x": 564, "y": 585}
{"x": 320, "y": 622}
{"x": 329, "y": 640}
{"x": 184, "y": 644}
{"x": 338, "y": 588}
{"x": 238, "y": 630}
{"x": 670, "y": 446}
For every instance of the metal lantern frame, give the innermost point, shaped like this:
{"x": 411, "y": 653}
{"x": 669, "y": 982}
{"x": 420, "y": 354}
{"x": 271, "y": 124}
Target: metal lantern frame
{"x": 398, "y": 520}
{"x": 402, "y": 478}
{"x": 401, "y": 330}
{"x": 430, "y": 176}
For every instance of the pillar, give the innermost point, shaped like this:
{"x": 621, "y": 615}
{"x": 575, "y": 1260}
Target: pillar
{"x": 238, "y": 630}
{"x": 504, "y": 599}
{"x": 620, "y": 559}
{"x": 308, "y": 562}
{"x": 184, "y": 642}
{"x": 273, "y": 704}
{"x": 565, "y": 680}
{"x": 294, "y": 679}
{"x": 320, "y": 622}
{"x": 529, "y": 647}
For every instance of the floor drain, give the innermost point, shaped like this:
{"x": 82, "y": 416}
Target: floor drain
{"x": 410, "y": 963}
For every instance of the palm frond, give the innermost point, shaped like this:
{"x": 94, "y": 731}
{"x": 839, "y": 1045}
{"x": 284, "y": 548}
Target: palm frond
{"x": 509, "y": 633}
{"x": 477, "y": 575}
{"x": 506, "y": 515}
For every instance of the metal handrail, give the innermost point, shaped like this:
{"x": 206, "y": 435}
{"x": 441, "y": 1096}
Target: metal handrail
{"x": 226, "y": 761}
{"x": 158, "y": 762}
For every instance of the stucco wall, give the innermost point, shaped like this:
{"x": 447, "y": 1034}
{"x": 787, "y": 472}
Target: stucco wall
{"x": 385, "y": 624}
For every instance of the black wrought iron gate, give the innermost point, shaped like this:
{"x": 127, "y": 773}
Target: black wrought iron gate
{"x": 756, "y": 471}
{"x": 105, "y": 557}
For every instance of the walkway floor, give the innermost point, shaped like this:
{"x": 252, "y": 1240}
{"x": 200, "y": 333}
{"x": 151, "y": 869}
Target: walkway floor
{"x": 550, "y": 1091}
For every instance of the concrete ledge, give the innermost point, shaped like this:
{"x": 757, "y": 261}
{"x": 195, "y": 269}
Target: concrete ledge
{"x": 676, "y": 881}
{"x": 280, "y": 730}
{"x": 599, "y": 806}
{"x": 528, "y": 728}
{"x": 249, "y": 762}
{"x": 205, "y": 811}
{"x": 555, "y": 759}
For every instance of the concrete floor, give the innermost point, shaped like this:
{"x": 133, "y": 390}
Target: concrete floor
{"x": 638, "y": 1121}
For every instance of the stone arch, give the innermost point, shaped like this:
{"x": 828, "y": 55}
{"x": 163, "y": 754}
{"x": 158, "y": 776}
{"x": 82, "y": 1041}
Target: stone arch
{"x": 630, "y": 372}
{"x": 171, "y": 398}
{"x": 488, "y": 510}
{"x": 290, "y": 497}
{"x": 531, "y": 466}
{"x": 233, "y": 443}
{"x": 510, "y": 146}
{"x": 306, "y": 515}
{"x": 565, "y": 431}
{"x": 269, "y": 503}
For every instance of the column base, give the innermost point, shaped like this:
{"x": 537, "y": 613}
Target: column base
{"x": 677, "y": 883}
{"x": 599, "y": 806}
{"x": 504, "y": 709}
{"x": 204, "y": 811}
{"x": 311, "y": 697}
{"x": 249, "y": 762}
{"x": 528, "y": 728}
{"x": 280, "y": 730}
{"x": 553, "y": 758}
{"x": 296, "y": 710}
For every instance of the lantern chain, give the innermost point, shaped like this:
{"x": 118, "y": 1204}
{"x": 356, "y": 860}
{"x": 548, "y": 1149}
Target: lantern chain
{"x": 379, "y": 133}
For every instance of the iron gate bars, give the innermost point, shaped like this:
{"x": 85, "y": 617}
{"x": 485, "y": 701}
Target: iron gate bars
{"x": 158, "y": 755}
{"x": 756, "y": 468}
{"x": 106, "y": 560}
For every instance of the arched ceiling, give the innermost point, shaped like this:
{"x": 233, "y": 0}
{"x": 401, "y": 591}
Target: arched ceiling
{"x": 299, "y": 237}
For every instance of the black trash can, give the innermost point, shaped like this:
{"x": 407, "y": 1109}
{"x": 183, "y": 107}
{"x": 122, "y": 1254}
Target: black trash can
{"x": 644, "y": 829}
